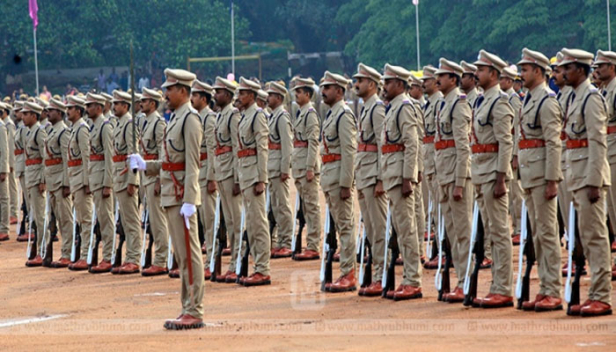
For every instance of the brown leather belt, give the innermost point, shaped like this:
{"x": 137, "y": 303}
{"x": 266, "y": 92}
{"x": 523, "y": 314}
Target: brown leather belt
{"x": 563, "y": 135}
{"x": 19, "y": 151}
{"x": 97, "y": 157}
{"x": 300, "y": 144}
{"x": 392, "y": 148}
{"x": 484, "y": 148}
{"x": 54, "y": 161}
{"x": 577, "y": 143}
{"x": 168, "y": 166}
{"x": 246, "y": 152}
{"x": 223, "y": 150}
{"x": 428, "y": 140}
{"x": 203, "y": 156}
{"x": 74, "y": 162}
{"x": 119, "y": 158}
{"x": 611, "y": 129}
{"x": 364, "y": 147}
{"x": 330, "y": 158}
{"x": 531, "y": 143}
{"x": 148, "y": 156}
{"x": 34, "y": 161}
{"x": 274, "y": 146}
{"x": 448, "y": 143}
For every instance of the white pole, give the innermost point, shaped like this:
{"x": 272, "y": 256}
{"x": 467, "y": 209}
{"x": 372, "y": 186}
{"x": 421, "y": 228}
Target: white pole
{"x": 35, "y": 63}
{"x": 417, "y": 30}
{"x": 232, "y": 41}
{"x": 609, "y": 29}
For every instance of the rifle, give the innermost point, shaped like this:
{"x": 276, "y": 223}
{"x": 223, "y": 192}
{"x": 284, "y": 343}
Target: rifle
{"x": 114, "y": 250}
{"x": 241, "y": 265}
{"x": 428, "y": 239}
{"x": 299, "y": 217}
{"x": 47, "y": 241}
{"x": 200, "y": 230}
{"x": 522, "y": 289}
{"x": 576, "y": 254}
{"x": 215, "y": 255}
{"x": 476, "y": 247}
{"x": 270, "y": 217}
{"x": 365, "y": 271}
{"x": 358, "y": 250}
{"x": 171, "y": 263}
{"x": 325, "y": 274}
{"x": 24, "y": 218}
{"x": 93, "y": 249}
{"x": 361, "y": 251}
{"x": 144, "y": 248}
{"x": 75, "y": 247}
{"x": 389, "y": 271}
{"x": 442, "y": 280}
{"x": 31, "y": 251}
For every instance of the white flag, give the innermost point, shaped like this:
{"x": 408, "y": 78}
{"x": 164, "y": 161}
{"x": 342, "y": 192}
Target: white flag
{"x": 415, "y": 2}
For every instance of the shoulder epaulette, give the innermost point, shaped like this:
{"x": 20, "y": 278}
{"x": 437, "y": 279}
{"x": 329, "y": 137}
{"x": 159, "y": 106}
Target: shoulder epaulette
{"x": 193, "y": 110}
{"x": 462, "y": 96}
{"x": 552, "y": 94}
{"x": 593, "y": 90}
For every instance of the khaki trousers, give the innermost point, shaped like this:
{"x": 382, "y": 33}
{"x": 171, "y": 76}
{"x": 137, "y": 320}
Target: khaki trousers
{"x": 37, "y": 212}
{"x": 5, "y": 207}
{"x": 309, "y": 192}
{"x": 232, "y": 208}
{"x": 191, "y": 297}
{"x": 258, "y": 231}
{"x": 63, "y": 208}
{"x": 496, "y": 215}
{"x": 594, "y": 237}
{"x": 14, "y": 196}
{"x": 83, "y": 213}
{"x": 515, "y": 205}
{"x": 342, "y": 213}
{"x": 158, "y": 225}
{"x": 281, "y": 207}
{"x": 105, "y": 216}
{"x": 457, "y": 216}
{"x": 374, "y": 212}
{"x": 129, "y": 213}
{"x": 403, "y": 220}
{"x": 207, "y": 212}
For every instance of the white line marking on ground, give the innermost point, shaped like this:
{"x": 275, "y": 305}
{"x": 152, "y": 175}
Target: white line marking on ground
{"x": 6, "y": 324}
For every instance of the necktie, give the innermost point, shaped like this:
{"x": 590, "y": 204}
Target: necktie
{"x": 426, "y": 106}
{"x": 297, "y": 114}
{"x": 479, "y": 101}
{"x": 528, "y": 96}
{"x": 387, "y": 108}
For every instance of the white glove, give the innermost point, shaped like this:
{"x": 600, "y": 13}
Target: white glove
{"x": 136, "y": 162}
{"x": 187, "y": 211}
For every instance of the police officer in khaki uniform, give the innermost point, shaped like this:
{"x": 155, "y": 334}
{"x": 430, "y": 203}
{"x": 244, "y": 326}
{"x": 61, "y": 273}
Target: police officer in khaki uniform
{"x": 20, "y": 162}
{"x": 201, "y": 96}
{"x": 539, "y": 158}
{"x": 279, "y": 168}
{"x": 57, "y": 180}
{"x": 5, "y": 207}
{"x": 588, "y": 177}
{"x": 434, "y": 95}
{"x": 468, "y": 82}
{"x": 101, "y": 167}
{"x": 453, "y": 117}
{"x": 126, "y": 182}
{"x": 605, "y": 62}
{"x": 370, "y": 192}
{"x": 226, "y": 169}
{"x": 491, "y": 147}
{"x": 5, "y": 112}
{"x": 338, "y": 152}
{"x": 78, "y": 163}
{"x": 507, "y": 78}
{"x": 416, "y": 93}
{"x": 152, "y": 139}
{"x": 107, "y": 112}
{"x": 180, "y": 193}
{"x": 252, "y": 153}
{"x": 399, "y": 171}
{"x": 306, "y": 164}
{"x": 35, "y": 173}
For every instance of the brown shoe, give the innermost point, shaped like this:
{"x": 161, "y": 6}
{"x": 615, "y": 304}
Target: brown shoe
{"x": 4, "y": 236}
{"x": 25, "y": 237}
{"x": 13, "y": 220}
{"x": 174, "y": 274}
{"x": 497, "y": 301}
{"x": 614, "y": 272}
{"x": 595, "y": 309}
{"x": 548, "y": 304}
{"x": 223, "y": 277}
{"x": 456, "y": 296}
{"x": 433, "y": 263}
{"x": 273, "y": 252}
{"x": 129, "y": 268}
{"x": 231, "y": 278}
{"x": 373, "y": 290}
{"x": 62, "y": 263}
{"x": 530, "y": 305}
{"x": 284, "y": 253}
{"x": 116, "y": 269}
{"x": 336, "y": 257}
{"x": 36, "y": 261}
{"x": 154, "y": 271}
{"x": 256, "y": 279}
{"x": 102, "y": 267}
{"x": 207, "y": 274}
{"x": 408, "y": 292}
{"x": 399, "y": 261}
{"x": 486, "y": 263}
{"x": 391, "y": 293}
{"x": 344, "y": 283}
{"x": 184, "y": 322}
{"x": 613, "y": 247}
{"x": 79, "y": 265}
{"x": 204, "y": 248}
{"x": 576, "y": 308}
{"x": 307, "y": 255}
{"x": 515, "y": 240}
{"x": 226, "y": 252}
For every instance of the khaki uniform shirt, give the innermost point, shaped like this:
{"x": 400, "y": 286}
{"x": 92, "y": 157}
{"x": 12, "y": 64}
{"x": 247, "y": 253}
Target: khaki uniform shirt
{"x": 306, "y": 125}
{"x": 370, "y": 133}
{"x": 35, "y": 144}
{"x": 226, "y": 136}
{"x": 280, "y": 133}
{"x": 101, "y": 143}
{"x": 79, "y": 149}
{"x": 153, "y": 133}
{"x": 208, "y": 146}
{"x": 339, "y": 136}
{"x": 56, "y": 144}
{"x": 252, "y": 135}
